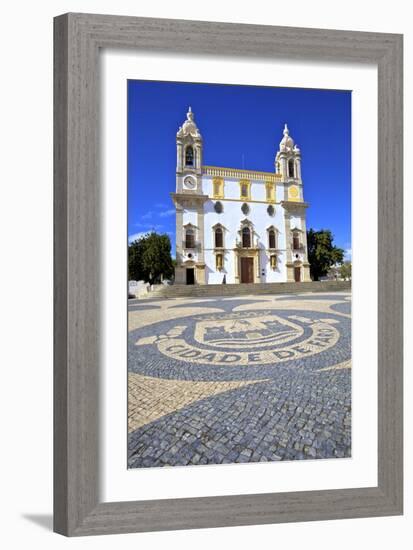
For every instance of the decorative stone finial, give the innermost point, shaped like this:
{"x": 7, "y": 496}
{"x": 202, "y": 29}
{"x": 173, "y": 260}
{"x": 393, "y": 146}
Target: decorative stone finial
{"x": 287, "y": 143}
{"x": 189, "y": 127}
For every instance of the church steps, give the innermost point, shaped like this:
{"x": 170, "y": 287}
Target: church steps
{"x": 199, "y": 291}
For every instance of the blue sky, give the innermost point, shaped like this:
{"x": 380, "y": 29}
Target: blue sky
{"x": 241, "y": 127}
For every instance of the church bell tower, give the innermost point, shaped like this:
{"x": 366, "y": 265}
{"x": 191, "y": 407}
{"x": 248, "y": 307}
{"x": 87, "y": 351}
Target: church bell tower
{"x": 288, "y": 161}
{"x": 189, "y": 157}
{"x": 189, "y": 203}
{"x": 288, "y": 166}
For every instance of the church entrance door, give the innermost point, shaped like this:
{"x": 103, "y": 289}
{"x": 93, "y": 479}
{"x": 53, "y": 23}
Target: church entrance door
{"x": 297, "y": 274}
{"x": 190, "y": 276}
{"x": 247, "y": 270}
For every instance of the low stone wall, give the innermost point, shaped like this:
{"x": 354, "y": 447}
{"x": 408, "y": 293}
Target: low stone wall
{"x": 139, "y": 289}
{"x": 250, "y": 289}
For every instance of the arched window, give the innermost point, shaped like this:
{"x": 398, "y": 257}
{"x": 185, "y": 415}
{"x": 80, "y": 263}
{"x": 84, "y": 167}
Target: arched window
{"x": 271, "y": 239}
{"x": 246, "y": 237}
{"x": 219, "y": 238}
{"x": 296, "y": 240}
{"x": 189, "y": 238}
{"x": 189, "y": 156}
{"x": 291, "y": 168}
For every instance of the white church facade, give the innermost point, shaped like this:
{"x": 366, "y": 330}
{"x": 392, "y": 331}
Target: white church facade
{"x": 235, "y": 225}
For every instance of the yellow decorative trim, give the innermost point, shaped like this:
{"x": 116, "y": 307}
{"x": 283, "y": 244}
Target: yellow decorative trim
{"x": 218, "y": 188}
{"x": 270, "y": 191}
{"x": 245, "y": 184}
{"x": 238, "y": 173}
{"x": 294, "y": 194}
{"x": 249, "y": 201}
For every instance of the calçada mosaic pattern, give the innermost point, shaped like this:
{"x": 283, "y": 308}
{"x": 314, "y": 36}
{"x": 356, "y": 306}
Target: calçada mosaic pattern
{"x": 230, "y": 380}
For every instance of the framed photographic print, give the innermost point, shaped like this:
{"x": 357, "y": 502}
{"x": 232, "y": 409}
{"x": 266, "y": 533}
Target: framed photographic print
{"x": 228, "y": 274}
{"x": 222, "y": 369}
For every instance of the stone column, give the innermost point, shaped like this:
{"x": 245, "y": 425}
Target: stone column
{"x": 288, "y": 253}
{"x": 200, "y": 216}
{"x": 200, "y": 268}
{"x": 290, "y": 272}
{"x": 304, "y": 238}
{"x": 283, "y": 167}
{"x": 179, "y": 157}
{"x": 257, "y": 267}
{"x": 236, "y": 266}
{"x": 306, "y": 272}
{"x": 179, "y": 270}
{"x": 200, "y": 274}
{"x": 298, "y": 167}
{"x": 198, "y": 164}
{"x": 180, "y": 274}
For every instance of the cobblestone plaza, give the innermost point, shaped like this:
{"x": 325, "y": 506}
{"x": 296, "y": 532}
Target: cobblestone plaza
{"x": 231, "y": 380}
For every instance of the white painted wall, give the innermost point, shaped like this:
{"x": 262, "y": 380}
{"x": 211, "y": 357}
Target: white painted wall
{"x": 295, "y": 222}
{"x": 190, "y": 216}
{"x": 281, "y": 192}
{"x": 232, "y": 188}
{"x": 230, "y": 219}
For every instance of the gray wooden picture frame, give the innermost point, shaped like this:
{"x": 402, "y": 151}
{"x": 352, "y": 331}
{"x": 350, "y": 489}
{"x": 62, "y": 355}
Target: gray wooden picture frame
{"x": 78, "y": 40}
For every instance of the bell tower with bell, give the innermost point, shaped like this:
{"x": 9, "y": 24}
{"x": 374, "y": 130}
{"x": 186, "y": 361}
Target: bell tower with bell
{"x": 288, "y": 166}
{"x": 189, "y": 157}
{"x": 189, "y": 204}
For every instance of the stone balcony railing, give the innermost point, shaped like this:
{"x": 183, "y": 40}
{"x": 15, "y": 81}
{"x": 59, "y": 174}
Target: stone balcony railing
{"x": 237, "y": 173}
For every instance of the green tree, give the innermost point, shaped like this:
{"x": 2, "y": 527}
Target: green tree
{"x": 322, "y": 254}
{"x": 149, "y": 258}
{"x": 135, "y": 263}
{"x": 345, "y": 271}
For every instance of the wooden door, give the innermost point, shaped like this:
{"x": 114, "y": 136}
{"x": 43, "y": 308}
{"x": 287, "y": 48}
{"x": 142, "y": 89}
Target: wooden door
{"x": 190, "y": 276}
{"x": 297, "y": 274}
{"x": 247, "y": 270}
